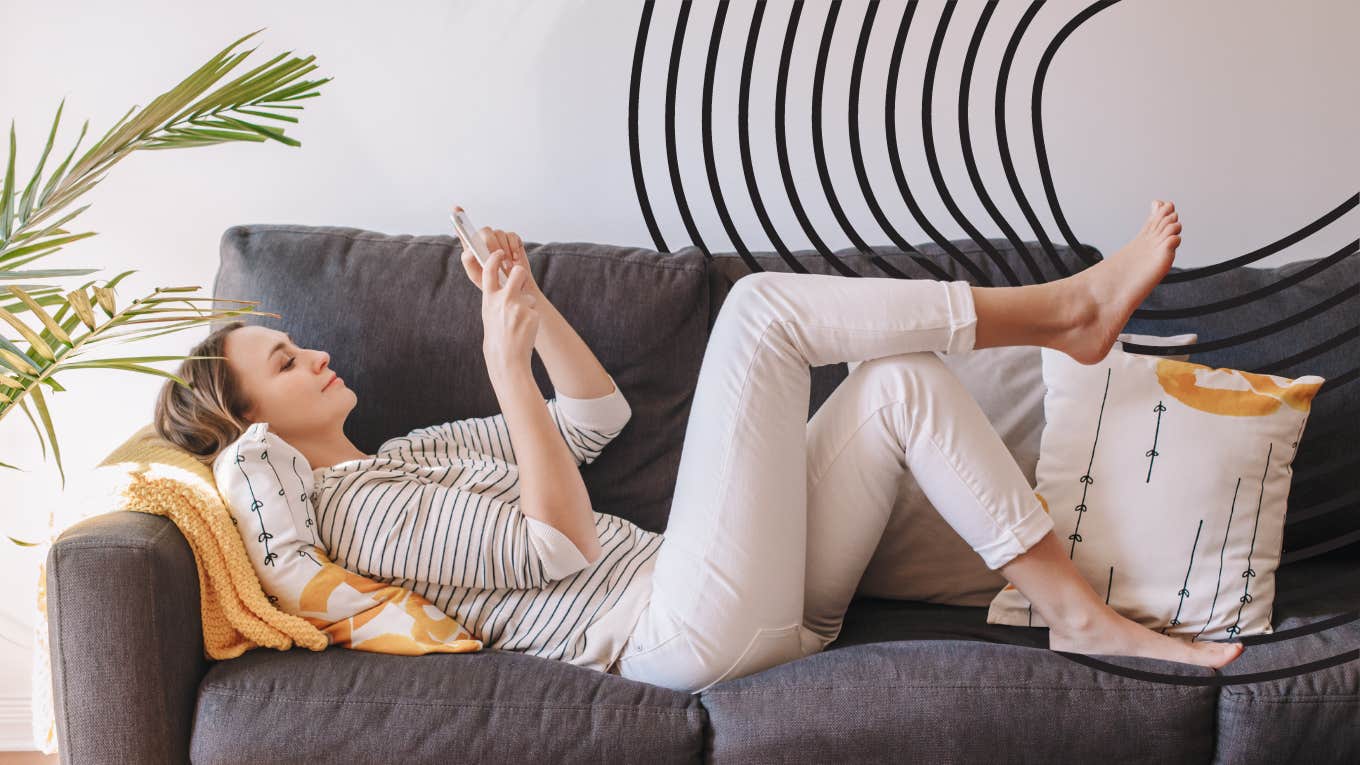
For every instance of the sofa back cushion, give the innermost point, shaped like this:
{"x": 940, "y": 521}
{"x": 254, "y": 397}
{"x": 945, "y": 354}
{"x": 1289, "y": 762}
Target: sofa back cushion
{"x": 403, "y": 325}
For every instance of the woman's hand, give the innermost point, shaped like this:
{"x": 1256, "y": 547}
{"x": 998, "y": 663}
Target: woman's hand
{"x": 504, "y": 241}
{"x": 509, "y": 319}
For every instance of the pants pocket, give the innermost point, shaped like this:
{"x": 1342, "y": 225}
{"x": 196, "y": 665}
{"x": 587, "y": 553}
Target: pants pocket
{"x": 768, "y": 647}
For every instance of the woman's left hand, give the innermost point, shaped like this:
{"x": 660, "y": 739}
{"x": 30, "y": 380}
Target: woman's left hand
{"x": 513, "y": 245}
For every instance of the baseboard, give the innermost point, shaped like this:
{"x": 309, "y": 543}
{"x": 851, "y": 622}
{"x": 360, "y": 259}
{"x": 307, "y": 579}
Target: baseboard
{"x": 16, "y": 724}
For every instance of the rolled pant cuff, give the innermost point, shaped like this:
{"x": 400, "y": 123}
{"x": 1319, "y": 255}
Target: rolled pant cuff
{"x": 962, "y": 316}
{"x": 1017, "y": 539}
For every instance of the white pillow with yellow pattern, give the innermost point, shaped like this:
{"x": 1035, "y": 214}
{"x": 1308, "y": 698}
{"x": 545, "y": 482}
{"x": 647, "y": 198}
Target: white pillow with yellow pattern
{"x": 267, "y": 486}
{"x": 1168, "y": 482}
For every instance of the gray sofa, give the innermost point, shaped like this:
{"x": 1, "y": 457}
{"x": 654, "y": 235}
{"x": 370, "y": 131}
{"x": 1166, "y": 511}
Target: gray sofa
{"x": 905, "y": 681}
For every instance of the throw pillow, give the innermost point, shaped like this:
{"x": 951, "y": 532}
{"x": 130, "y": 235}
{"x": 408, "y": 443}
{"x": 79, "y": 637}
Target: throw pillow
{"x": 920, "y": 556}
{"x": 267, "y": 485}
{"x": 1167, "y": 482}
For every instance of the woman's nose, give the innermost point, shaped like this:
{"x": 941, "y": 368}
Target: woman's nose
{"x": 325, "y": 359}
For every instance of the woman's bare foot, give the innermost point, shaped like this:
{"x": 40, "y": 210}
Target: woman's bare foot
{"x": 1111, "y": 633}
{"x": 1104, "y": 295}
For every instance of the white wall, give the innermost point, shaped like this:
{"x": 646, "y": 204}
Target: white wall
{"x": 1242, "y": 112}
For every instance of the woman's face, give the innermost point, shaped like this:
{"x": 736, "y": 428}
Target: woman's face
{"x": 291, "y": 388}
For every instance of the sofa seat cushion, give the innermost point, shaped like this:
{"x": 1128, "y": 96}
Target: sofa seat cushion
{"x": 957, "y": 700}
{"x": 340, "y": 705}
{"x": 1313, "y": 716}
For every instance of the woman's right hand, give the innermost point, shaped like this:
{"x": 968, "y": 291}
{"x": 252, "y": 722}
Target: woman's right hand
{"x": 509, "y": 318}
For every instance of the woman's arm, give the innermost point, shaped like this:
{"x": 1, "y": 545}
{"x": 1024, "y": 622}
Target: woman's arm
{"x": 551, "y": 488}
{"x": 571, "y": 365}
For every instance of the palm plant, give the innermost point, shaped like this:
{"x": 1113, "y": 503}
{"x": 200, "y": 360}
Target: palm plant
{"x": 179, "y": 118}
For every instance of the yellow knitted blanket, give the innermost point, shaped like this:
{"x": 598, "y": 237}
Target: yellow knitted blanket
{"x": 148, "y": 474}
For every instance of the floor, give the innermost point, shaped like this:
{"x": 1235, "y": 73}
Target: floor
{"x": 28, "y": 758}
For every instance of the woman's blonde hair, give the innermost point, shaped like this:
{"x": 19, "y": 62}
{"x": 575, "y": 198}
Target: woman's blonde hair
{"x": 208, "y": 416}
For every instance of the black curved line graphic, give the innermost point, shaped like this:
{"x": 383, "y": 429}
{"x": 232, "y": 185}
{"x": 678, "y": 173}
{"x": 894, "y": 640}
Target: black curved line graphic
{"x": 970, "y": 161}
{"x": 1003, "y": 143}
{"x": 1036, "y": 116}
{"x": 781, "y": 142}
{"x": 1307, "y": 629}
{"x": 1088, "y": 254}
{"x": 933, "y": 160}
{"x": 710, "y": 162}
{"x": 1340, "y": 461}
{"x": 1216, "y": 680}
{"x": 1246, "y": 298}
{"x": 634, "y": 147}
{"x": 1046, "y": 176}
{"x": 895, "y": 160}
{"x": 1347, "y": 501}
{"x": 672, "y": 157}
{"x": 1268, "y": 250}
{"x": 862, "y": 174}
{"x": 819, "y": 145}
{"x": 744, "y": 134}
{"x": 1251, "y": 334}
{"x": 1321, "y": 548}
{"x": 1284, "y": 364}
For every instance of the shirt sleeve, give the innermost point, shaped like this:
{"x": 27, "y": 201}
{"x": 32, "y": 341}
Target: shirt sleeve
{"x": 587, "y": 425}
{"x": 399, "y": 526}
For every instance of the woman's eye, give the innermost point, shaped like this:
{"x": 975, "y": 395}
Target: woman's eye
{"x": 290, "y": 362}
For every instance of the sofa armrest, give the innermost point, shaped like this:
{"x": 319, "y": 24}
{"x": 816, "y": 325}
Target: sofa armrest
{"x": 126, "y": 639}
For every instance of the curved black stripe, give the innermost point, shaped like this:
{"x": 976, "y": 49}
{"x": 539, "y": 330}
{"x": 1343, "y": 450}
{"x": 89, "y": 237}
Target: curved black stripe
{"x": 672, "y": 159}
{"x": 1322, "y": 264}
{"x": 634, "y": 148}
{"x": 781, "y": 142}
{"x": 819, "y": 147}
{"x": 1312, "y": 551}
{"x": 1307, "y": 353}
{"x": 1036, "y": 116}
{"x": 861, "y": 173}
{"x": 710, "y": 162}
{"x": 1253, "y": 334}
{"x": 1340, "y": 380}
{"x": 965, "y": 140}
{"x": 1050, "y": 191}
{"x": 1341, "y": 462}
{"x": 1264, "y": 252}
{"x": 970, "y": 161}
{"x": 1216, "y": 680}
{"x": 1003, "y": 143}
{"x": 1307, "y": 629}
{"x": 895, "y": 160}
{"x": 744, "y": 136}
{"x": 933, "y": 161}
{"x": 1349, "y": 501}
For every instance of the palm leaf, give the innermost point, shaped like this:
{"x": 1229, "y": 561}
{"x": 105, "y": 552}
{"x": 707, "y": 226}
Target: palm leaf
{"x": 41, "y": 403}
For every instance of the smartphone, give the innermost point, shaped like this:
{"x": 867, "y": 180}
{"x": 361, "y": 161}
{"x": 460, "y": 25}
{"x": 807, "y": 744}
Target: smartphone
{"x": 472, "y": 238}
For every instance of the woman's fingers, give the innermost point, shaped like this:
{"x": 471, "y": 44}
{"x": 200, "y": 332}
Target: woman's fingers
{"x": 516, "y": 281}
{"x": 473, "y": 268}
{"x": 491, "y": 271}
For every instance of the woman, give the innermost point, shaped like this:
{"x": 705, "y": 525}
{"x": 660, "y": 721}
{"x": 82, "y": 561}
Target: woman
{"x": 773, "y": 519}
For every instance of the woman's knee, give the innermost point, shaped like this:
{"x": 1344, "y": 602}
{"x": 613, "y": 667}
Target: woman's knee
{"x": 892, "y": 372}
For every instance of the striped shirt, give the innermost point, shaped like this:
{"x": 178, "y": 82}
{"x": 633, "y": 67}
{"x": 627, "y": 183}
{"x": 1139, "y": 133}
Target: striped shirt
{"x": 437, "y": 511}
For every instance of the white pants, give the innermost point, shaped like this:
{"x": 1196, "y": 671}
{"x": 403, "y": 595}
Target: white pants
{"x": 775, "y": 518}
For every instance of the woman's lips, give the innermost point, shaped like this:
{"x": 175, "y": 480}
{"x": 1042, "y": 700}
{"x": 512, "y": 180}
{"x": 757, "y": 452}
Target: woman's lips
{"x": 328, "y": 385}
